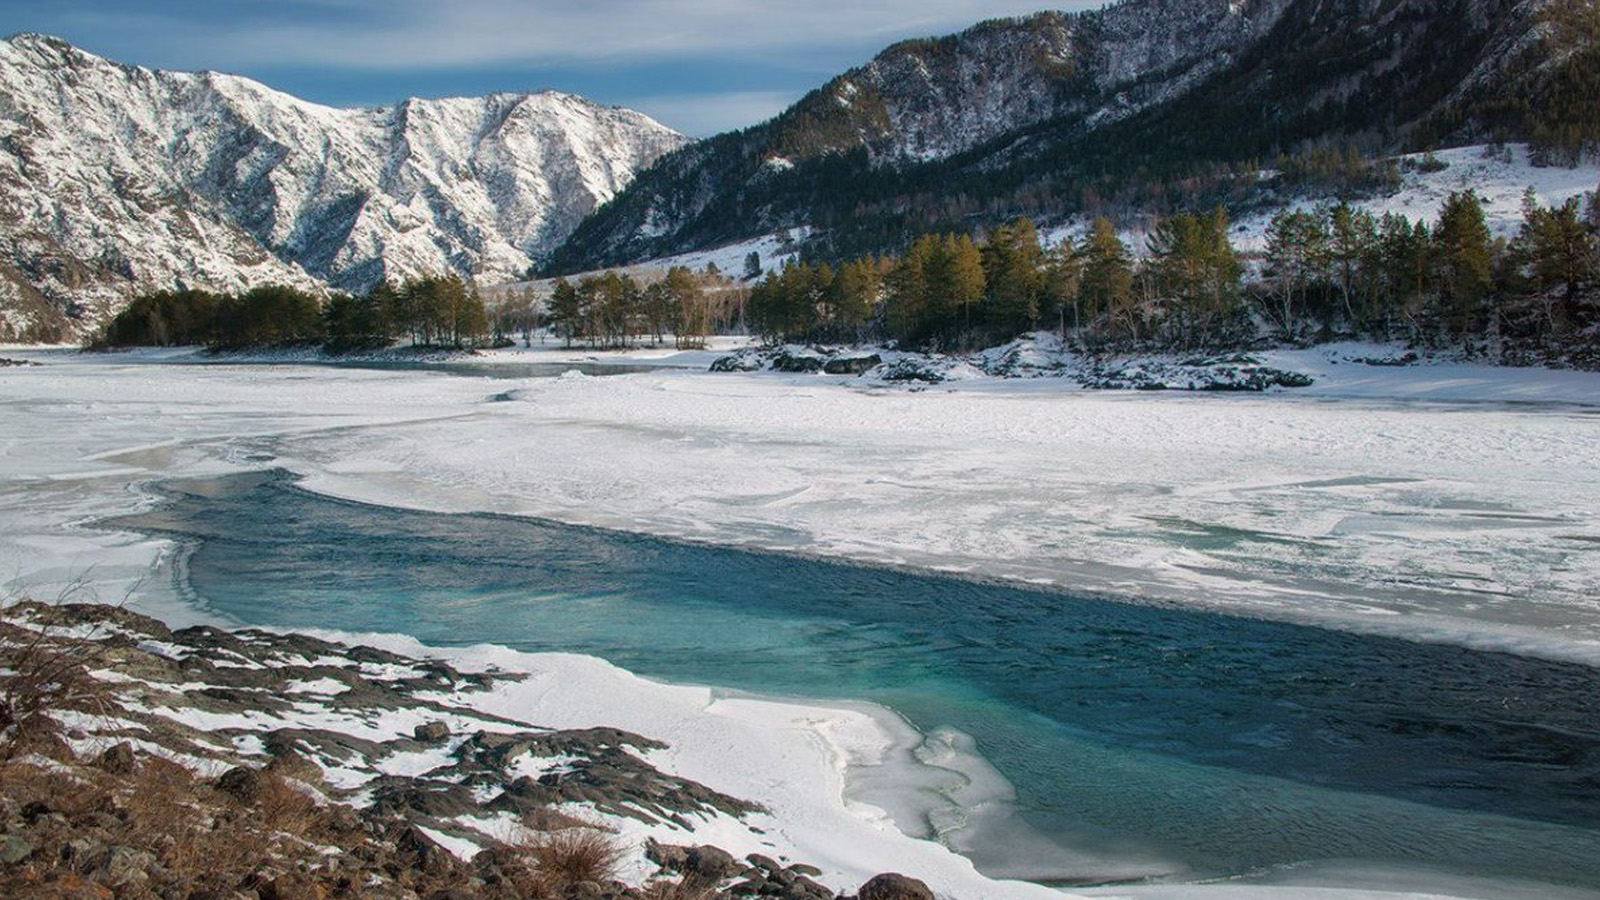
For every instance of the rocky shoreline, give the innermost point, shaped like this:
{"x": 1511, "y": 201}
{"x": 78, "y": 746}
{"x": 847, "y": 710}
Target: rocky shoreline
{"x": 1034, "y": 357}
{"x": 139, "y": 761}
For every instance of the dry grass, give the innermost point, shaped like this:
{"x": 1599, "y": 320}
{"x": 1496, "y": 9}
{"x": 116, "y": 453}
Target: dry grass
{"x": 201, "y": 838}
{"x": 573, "y": 856}
{"x": 683, "y": 889}
{"x": 43, "y": 670}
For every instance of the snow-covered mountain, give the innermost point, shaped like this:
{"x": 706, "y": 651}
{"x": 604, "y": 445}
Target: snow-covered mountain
{"x": 1048, "y": 114}
{"x": 117, "y": 178}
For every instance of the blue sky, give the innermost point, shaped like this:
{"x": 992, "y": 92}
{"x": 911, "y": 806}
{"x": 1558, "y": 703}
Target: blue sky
{"x": 701, "y": 66}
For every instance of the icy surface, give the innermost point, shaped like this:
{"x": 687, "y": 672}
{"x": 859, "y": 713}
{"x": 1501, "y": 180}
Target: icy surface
{"x": 1451, "y": 501}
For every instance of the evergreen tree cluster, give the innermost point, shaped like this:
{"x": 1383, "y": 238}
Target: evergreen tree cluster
{"x": 614, "y": 309}
{"x": 1326, "y": 272}
{"x": 431, "y": 311}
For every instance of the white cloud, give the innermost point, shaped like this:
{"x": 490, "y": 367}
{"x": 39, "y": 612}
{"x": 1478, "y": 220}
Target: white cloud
{"x": 411, "y": 34}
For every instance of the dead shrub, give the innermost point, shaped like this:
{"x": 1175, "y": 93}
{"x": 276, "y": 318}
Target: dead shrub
{"x": 285, "y": 808}
{"x": 682, "y": 889}
{"x": 44, "y": 671}
{"x": 574, "y": 855}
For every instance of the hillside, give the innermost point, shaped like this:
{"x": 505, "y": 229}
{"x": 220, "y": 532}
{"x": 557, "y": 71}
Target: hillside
{"x": 139, "y": 761}
{"x": 1145, "y": 106}
{"x": 115, "y": 179}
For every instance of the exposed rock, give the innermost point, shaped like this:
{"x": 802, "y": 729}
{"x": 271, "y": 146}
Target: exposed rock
{"x": 384, "y": 830}
{"x": 803, "y": 888}
{"x": 764, "y": 863}
{"x": 803, "y": 365}
{"x": 852, "y": 365}
{"x": 894, "y": 886}
{"x": 291, "y": 887}
{"x": 432, "y": 732}
{"x": 117, "y": 866}
{"x": 740, "y": 362}
{"x": 710, "y": 863}
{"x": 14, "y": 849}
{"x": 120, "y": 178}
{"x": 241, "y": 783}
{"x": 427, "y": 853}
{"x": 905, "y": 370}
{"x": 670, "y": 857}
{"x": 118, "y": 759}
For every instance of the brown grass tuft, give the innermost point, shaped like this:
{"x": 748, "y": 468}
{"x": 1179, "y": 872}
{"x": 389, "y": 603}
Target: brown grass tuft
{"x": 682, "y": 889}
{"x": 574, "y": 855}
{"x": 43, "y": 671}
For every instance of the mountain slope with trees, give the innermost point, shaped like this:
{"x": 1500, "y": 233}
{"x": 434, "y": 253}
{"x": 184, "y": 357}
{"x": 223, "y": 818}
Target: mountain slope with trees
{"x": 1148, "y": 106}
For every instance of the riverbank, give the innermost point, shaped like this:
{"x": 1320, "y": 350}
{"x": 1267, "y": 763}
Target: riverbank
{"x": 458, "y": 770}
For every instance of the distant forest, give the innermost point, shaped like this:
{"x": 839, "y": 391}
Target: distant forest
{"x": 433, "y": 311}
{"x": 1326, "y": 273}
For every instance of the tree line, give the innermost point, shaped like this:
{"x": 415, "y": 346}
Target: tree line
{"x": 614, "y": 309}
{"x": 1325, "y": 272}
{"x": 441, "y": 311}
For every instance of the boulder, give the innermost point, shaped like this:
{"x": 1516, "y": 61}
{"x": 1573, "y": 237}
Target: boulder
{"x": 801, "y": 365}
{"x": 432, "y": 732}
{"x": 241, "y": 783}
{"x": 117, "y": 866}
{"x": 119, "y": 760}
{"x": 852, "y": 365}
{"x": 739, "y": 363}
{"x": 894, "y": 886}
{"x": 14, "y": 849}
{"x": 670, "y": 857}
{"x": 803, "y": 888}
{"x": 764, "y": 863}
{"x": 291, "y": 887}
{"x": 711, "y": 863}
{"x": 909, "y": 370}
{"x": 430, "y": 856}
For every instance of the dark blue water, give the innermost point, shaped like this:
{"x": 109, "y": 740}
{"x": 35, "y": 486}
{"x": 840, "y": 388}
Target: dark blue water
{"x": 1217, "y": 744}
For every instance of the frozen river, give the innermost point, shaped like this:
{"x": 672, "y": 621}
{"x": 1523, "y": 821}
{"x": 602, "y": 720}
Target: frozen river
{"x": 1145, "y": 739}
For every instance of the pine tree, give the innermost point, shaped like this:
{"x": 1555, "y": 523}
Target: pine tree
{"x": 1297, "y": 260}
{"x": 566, "y": 313}
{"x": 1462, "y": 244}
{"x": 907, "y": 287}
{"x": 1063, "y": 274}
{"x": 958, "y": 281}
{"x": 1013, "y": 269}
{"x": 1107, "y": 285}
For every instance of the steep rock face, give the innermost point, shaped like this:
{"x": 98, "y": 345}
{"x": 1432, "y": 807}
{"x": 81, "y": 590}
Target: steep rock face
{"x": 1018, "y": 115}
{"x": 117, "y": 178}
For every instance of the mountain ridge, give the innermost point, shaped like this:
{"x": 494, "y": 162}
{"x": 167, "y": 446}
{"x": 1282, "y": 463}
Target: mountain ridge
{"x": 1147, "y": 104}
{"x": 120, "y": 178}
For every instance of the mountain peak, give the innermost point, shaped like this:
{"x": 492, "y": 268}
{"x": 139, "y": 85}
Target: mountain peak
{"x": 120, "y": 179}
